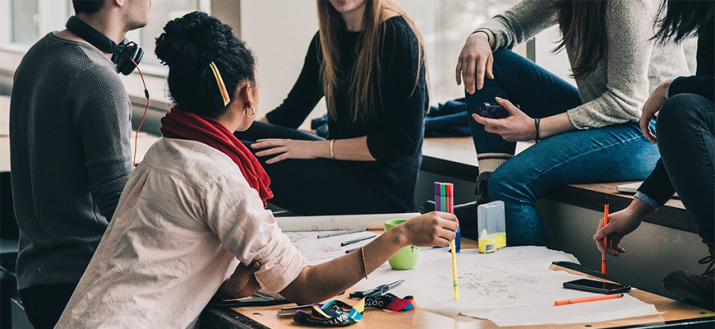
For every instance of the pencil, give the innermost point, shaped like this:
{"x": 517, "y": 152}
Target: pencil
{"x": 320, "y": 236}
{"x": 454, "y": 270}
{"x": 586, "y": 299}
{"x": 605, "y": 239}
{"x": 343, "y": 244}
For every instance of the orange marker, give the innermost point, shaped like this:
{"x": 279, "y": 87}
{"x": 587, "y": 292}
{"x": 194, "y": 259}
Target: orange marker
{"x": 586, "y": 299}
{"x": 605, "y": 239}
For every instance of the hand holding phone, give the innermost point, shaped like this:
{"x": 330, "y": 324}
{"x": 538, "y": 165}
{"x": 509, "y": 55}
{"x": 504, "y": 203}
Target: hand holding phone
{"x": 493, "y": 111}
{"x": 596, "y": 286}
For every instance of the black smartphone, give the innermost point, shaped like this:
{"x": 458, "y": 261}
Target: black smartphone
{"x": 493, "y": 111}
{"x": 596, "y": 286}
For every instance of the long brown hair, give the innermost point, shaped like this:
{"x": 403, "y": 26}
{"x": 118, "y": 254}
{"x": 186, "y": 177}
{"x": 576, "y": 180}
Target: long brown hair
{"x": 365, "y": 79}
{"x": 583, "y": 26}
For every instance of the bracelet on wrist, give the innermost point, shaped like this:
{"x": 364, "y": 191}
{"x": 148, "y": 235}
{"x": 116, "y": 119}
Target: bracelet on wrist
{"x": 489, "y": 39}
{"x": 537, "y": 121}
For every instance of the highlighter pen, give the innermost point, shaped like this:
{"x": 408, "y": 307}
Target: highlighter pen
{"x": 586, "y": 299}
{"x": 605, "y": 239}
{"x": 343, "y": 244}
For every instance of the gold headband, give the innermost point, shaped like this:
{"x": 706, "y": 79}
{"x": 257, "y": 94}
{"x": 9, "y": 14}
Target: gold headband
{"x": 221, "y": 85}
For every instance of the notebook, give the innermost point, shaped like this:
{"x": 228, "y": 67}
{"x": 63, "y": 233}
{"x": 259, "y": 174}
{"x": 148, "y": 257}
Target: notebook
{"x": 633, "y": 188}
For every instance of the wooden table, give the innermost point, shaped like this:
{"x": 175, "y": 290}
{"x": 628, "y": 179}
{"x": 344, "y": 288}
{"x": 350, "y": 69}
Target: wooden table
{"x": 266, "y": 317}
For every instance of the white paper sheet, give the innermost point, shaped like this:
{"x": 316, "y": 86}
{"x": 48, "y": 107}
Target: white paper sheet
{"x": 319, "y": 251}
{"x": 342, "y": 222}
{"x": 512, "y": 286}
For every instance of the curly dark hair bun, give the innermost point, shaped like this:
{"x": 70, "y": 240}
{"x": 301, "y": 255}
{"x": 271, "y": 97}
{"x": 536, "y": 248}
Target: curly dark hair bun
{"x": 193, "y": 40}
{"x": 187, "y": 46}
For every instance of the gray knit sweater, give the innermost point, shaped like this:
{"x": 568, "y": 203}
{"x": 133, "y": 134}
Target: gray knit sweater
{"x": 633, "y": 66}
{"x": 70, "y": 157}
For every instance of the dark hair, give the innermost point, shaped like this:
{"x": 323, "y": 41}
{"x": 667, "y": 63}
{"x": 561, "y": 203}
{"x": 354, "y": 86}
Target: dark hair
{"x": 583, "y": 26}
{"x": 187, "y": 46}
{"x": 680, "y": 19}
{"x": 88, "y": 7}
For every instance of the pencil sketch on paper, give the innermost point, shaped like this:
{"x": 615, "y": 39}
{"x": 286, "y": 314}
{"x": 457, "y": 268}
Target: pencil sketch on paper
{"x": 318, "y": 251}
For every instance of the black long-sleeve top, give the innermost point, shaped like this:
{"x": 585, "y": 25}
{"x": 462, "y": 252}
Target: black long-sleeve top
{"x": 658, "y": 188}
{"x": 395, "y": 132}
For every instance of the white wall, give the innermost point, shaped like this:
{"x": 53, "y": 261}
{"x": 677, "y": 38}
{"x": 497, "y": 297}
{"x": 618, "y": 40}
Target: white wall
{"x": 5, "y": 16}
{"x": 279, "y": 32}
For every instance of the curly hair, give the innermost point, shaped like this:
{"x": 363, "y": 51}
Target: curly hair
{"x": 187, "y": 46}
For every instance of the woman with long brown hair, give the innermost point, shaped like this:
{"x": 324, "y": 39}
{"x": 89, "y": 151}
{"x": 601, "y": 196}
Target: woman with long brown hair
{"x": 584, "y": 134}
{"x": 368, "y": 61}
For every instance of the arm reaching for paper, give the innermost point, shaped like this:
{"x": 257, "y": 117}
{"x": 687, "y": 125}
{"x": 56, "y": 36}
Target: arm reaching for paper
{"x": 620, "y": 224}
{"x": 326, "y": 280}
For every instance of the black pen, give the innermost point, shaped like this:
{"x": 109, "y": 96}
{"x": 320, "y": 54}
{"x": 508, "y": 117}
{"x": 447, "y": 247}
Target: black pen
{"x": 379, "y": 290}
{"x": 343, "y": 244}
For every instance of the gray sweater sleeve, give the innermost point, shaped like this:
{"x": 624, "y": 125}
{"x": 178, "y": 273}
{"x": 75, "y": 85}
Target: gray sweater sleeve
{"x": 612, "y": 95}
{"x": 102, "y": 121}
{"x": 520, "y": 22}
{"x": 629, "y": 27}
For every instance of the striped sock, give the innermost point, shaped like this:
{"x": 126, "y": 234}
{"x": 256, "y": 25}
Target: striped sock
{"x": 491, "y": 161}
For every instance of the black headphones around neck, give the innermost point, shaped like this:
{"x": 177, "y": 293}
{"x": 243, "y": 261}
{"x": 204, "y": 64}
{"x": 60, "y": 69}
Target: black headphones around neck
{"x": 122, "y": 54}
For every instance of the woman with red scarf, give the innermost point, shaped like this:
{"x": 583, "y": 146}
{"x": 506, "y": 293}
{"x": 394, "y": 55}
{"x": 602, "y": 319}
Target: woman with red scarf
{"x": 191, "y": 222}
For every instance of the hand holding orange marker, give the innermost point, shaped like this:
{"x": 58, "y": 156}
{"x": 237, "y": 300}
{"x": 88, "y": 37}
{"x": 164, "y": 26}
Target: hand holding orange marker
{"x": 586, "y": 299}
{"x": 605, "y": 239}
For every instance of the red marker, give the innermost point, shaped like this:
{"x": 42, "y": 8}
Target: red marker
{"x": 586, "y": 299}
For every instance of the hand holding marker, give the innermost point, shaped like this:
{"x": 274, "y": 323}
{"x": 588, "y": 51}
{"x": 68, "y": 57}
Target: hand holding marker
{"x": 444, "y": 202}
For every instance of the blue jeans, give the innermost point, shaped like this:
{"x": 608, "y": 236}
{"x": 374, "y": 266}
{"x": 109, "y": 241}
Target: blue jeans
{"x": 607, "y": 154}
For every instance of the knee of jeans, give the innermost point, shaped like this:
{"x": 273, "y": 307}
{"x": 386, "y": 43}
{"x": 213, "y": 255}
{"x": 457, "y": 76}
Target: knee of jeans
{"x": 677, "y": 113}
{"x": 503, "y": 186}
{"x": 502, "y": 56}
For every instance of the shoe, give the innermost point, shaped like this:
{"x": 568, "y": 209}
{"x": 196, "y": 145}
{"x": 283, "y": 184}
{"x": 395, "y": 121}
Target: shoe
{"x": 700, "y": 288}
{"x": 481, "y": 191}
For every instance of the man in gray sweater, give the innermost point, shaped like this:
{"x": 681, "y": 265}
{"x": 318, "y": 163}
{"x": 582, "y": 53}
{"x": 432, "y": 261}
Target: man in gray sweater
{"x": 70, "y": 153}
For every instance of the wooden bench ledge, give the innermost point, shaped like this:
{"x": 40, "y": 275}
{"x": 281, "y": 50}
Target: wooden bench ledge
{"x": 455, "y": 157}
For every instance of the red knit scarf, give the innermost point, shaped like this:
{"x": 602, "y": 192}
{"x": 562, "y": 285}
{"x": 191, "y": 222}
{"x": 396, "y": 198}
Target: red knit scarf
{"x": 186, "y": 125}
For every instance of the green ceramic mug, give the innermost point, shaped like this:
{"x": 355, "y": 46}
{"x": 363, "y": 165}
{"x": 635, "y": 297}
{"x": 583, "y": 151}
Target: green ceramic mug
{"x": 406, "y": 258}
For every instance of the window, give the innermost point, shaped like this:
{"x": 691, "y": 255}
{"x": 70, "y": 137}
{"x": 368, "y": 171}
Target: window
{"x": 23, "y": 22}
{"x": 445, "y": 25}
{"x": 25, "y": 27}
{"x": 161, "y": 12}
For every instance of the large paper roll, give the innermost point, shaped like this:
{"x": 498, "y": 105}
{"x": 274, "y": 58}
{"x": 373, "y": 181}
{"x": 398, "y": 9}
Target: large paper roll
{"x": 338, "y": 222}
